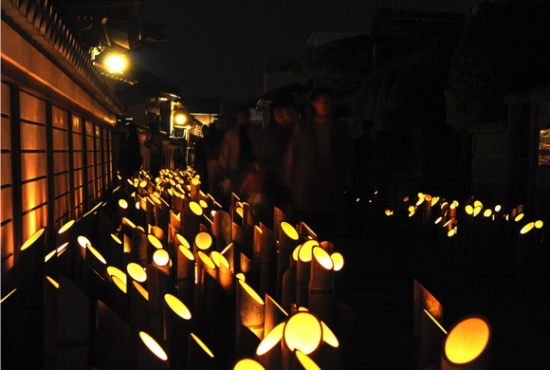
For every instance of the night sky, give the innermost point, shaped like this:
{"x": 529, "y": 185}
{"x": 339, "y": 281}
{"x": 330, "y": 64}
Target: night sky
{"x": 220, "y": 48}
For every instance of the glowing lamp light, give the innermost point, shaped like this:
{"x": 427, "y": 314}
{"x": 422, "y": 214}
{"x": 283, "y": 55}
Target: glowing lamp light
{"x": 412, "y": 209}
{"x": 405, "y": 200}
{"x": 128, "y": 222}
{"x": 122, "y": 203}
{"x": 183, "y": 241}
{"x": 34, "y": 237}
{"x": 50, "y": 255}
{"x": 469, "y": 209}
{"x": 323, "y": 258}
{"x": 306, "y": 362}
{"x": 180, "y": 118}
{"x": 289, "y": 230}
{"x": 116, "y": 239}
{"x": 161, "y": 257}
{"x": 241, "y": 276}
{"x": 337, "y": 260}
{"x": 438, "y": 220}
{"x": 519, "y": 217}
{"x": 219, "y": 259}
{"x": 153, "y": 346}
{"x": 144, "y": 293}
{"x": 177, "y": 306}
{"x": 112, "y": 271}
{"x": 435, "y": 200}
{"x": 195, "y": 208}
{"x": 206, "y": 260}
{"x": 83, "y": 241}
{"x": 187, "y": 252}
{"x": 451, "y": 233}
{"x": 7, "y": 295}
{"x": 525, "y": 229}
{"x": 202, "y": 345}
{"x": 388, "y": 212}
{"x": 477, "y": 210}
{"x": 467, "y": 340}
{"x": 154, "y": 241}
{"x": 251, "y": 292}
{"x": 487, "y": 213}
{"x": 136, "y": 272}
{"x": 115, "y": 64}
{"x": 203, "y": 240}
{"x": 329, "y": 337}
{"x": 54, "y": 283}
{"x": 66, "y": 227}
{"x": 303, "y": 332}
{"x": 539, "y": 224}
{"x": 203, "y": 203}
{"x": 306, "y": 251}
{"x": 120, "y": 284}
{"x": 435, "y": 321}
{"x": 248, "y": 364}
{"x": 97, "y": 254}
{"x": 240, "y": 211}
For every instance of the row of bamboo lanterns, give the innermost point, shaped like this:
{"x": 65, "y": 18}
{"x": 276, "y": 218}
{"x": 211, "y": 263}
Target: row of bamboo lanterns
{"x": 161, "y": 266}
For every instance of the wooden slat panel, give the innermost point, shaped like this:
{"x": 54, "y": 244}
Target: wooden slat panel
{"x": 89, "y": 128}
{"x": 33, "y": 165}
{"x": 34, "y": 221}
{"x": 32, "y": 109}
{"x": 61, "y": 162}
{"x": 61, "y": 184}
{"x": 5, "y": 92}
{"x": 78, "y": 178}
{"x": 77, "y": 142}
{"x": 6, "y": 133}
{"x": 6, "y": 212}
{"x": 6, "y": 168}
{"x": 77, "y": 124}
{"x": 61, "y": 208}
{"x": 33, "y": 137}
{"x": 77, "y": 160}
{"x": 59, "y": 118}
{"x": 91, "y": 176}
{"x": 34, "y": 193}
{"x": 60, "y": 139}
{"x": 6, "y": 239}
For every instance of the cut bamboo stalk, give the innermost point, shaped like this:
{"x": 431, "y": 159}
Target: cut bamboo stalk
{"x": 117, "y": 251}
{"x": 268, "y": 352}
{"x": 200, "y": 357}
{"x": 248, "y": 364}
{"x": 256, "y": 256}
{"x": 289, "y": 287}
{"x": 139, "y": 246}
{"x": 250, "y": 309}
{"x": 268, "y": 268}
{"x": 321, "y": 286}
{"x": 274, "y": 314}
{"x": 221, "y": 229}
{"x": 431, "y": 336}
{"x": 112, "y": 340}
{"x": 288, "y": 241}
{"x": 51, "y": 288}
{"x": 306, "y": 233}
{"x": 278, "y": 217}
{"x": 186, "y": 275}
{"x": 159, "y": 283}
{"x": 158, "y": 233}
{"x": 150, "y": 354}
{"x": 249, "y": 221}
{"x": 302, "y": 332}
{"x": 246, "y": 342}
{"x": 303, "y": 272}
{"x": 177, "y": 326}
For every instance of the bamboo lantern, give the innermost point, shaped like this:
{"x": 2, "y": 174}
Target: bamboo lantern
{"x": 73, "y": 329}
{"x": 96, "y": 279}
{"x": 162, "y": 215}
{"x": 431, "y": 336}
{"x": 127, "y": 227}
{"x": 117, "y": 251}
{"x": 303, "y": 272}
{"x": 274, "y": 314}
{"x": 177, "y": 326}
{"x": 330, "y": 354}
{"x": 306, "y": 233}
{"x": 186, "y": 274}
{"x": 321, "y": 286}
{"x": 139, "y": 247}
{"x": 173, "y": 229}
{"x": 195, "y": 188}
{"x": 289, "y": 286}
{"x": 268, "y": 352}
{"x": 138, "y": 306}
{"x": 256, "y": 255}
{"x": 230, "y": 255}
{"x": 203, "y": 242}
{"x": 158, "y": 275}
{"x": 237, "y": 241}
{"x": 226, "y": 278}
{"x": 249, "y": 221}
{"x": 204, "y": 292}
{"x": 65, "y": 233}
{"x": 423, "y": 300}
{"x": 30, "y": 263}
{"x": 268, "y": 267}
{"x": 151, "y": 202}
{"x": 112, "y": 340}
{"x": 303, "y": 332}
{"x": 288, "y": 241}
{"x": 221, "y": 229}
{"x": 467, "y": 345}
{"x": 250, "y": 309}
{"x": 246, "y": 343}
{"x": 278, "y": 217}
{"x": 50, "y": 321}
{"x": 191, "y": 220}
{"x": 150, "y": 354}
{"x": 524, "y": 251}
{"x": 200, "y": 357}
{"x": 158, "y": 233}
{"x": 248, "y": 364}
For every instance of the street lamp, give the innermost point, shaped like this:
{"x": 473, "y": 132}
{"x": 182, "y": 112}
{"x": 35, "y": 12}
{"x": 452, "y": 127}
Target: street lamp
{"x": 115, "y": 63}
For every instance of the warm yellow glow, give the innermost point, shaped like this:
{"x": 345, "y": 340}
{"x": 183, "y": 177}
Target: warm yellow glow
{"x": 478, "y": 203}
{"x": 289, "y": 230}
{"x": 420, "y": 201}
{"x": 296, "y": 252}
{"x": 62, "y": 248}
{"x": 54, "y": 283}
{"x": 136, "y": 272}
{"x": 498, "y": 208}
{"x": 329, "y": 337}
{"x": 119, "y": 283}
{"x": 34, "y": 237}
{"x": 240, "y": 211}
{"x": 251, "y": 292}
{"x": 451, "y": 233}
{"x": 487, "y": 213}
{"x": 143, "y": 184}
{"x": 405, "y": 200}
{"x": 519, "y": 217}
{"x": 271, "y": 339}
{"x": 122, "y": 203}
{"x": 203, "y": 346}
{"x": 6, "y": 297}
{"x": 177, "y": 306}
{"x": 180, "y": 118}
{"x": 438, "y": 220}
{"x": 213, "y": 213}
{"x": 144, "y": 293}
{"x": 337, "y": 260}
{"x": 207, "y": 260}
{"x": 187, "y": 252}
{"x": 83, "y": 241}
{"x": 435, "y": 321}
{"x": 153, "y": 346}
{"x": 113, "y": 271}
{"x": 248, "y": 364}
{"x": 455, "y": 203}
{"x": 154, "y": 241}
{"x": 241, "y": 276}
{"x": 116, "y": 239}
{"x": 303, "y": 331}
{"x": 161, "y": 257}
{"x": 306, "y": 362}
{"x": 467, "y": 340}
{"x": 435, "y": 200}
{"x": 447, "y": 223}
{"x": 195, "y": 181}
{"x": 127, "y": 221}
{"x": 539, "y": 224}
{"x": 203, "y": 203}
{"x": 469, "y": 209}
{"x": 323, "y": 258}
{"x": 97, "y": 254}
{"x": 219, "y": 259}
{"x": 412, "y": 209}
{"x": 306, "y": 251}
{"x": 50, "y": 255}
{"x": 195, "y": 208}
{"x": 388, "y": 212}
{"x": 477, "y": 210}
{"x": 154, "y": 199}
{"x": 183, "y": 241}
{"x": 525, "y": 229}
{"x": 66, "y": 227}
{"x": 115, "y": 64}
{"x": 203, "y": 240}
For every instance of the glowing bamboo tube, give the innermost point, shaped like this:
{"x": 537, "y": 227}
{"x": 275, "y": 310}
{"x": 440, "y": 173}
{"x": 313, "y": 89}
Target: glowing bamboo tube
{"x": 249, "y": 221}
{"x": 159, "y": 283}
{"x": 431, "y": 336}
{"x": 65, "y": 233}
{"x": 112, "y": 340}
{"x": 30, "y": 263}
{"x": 303, "y": 272}
{"x": 288, "y": 241}
{"x": 151, "y": 355}
{"x": 221, "y": 229}
{"x": 186, "y": 275}
{"x": 306, "y": 361}
{"x": 278, "y": 217}
{"x": 321, "y": 287}
{"x": 250, "y": 309}
{"x": 237, "y": 240}
{"x": 289, "y": 287}
{"x": 149, "y": 203}
{"x": 274, "y": 314}
{"x": 191, "y": 220}
{"x": 154, "y": 244}
{"x": 162, "y": 215}
{"x": 138, "y": 305}
{"x": 268, "y": 352}
{"x": 203, "y": 242}
{"x": 139, "y": 247}
{"x": 256, "y": 256}
{"x": 248, "y": 364}
{"x": 177, "y": 326}
{"x": 306, "y": 233}
{"x": 467, "y": 345}
{"x": 50, "y": 320}
{"x": 158, "y": 233}
{"x": 200, "y": 356}
{"x": 226, "y": 277}
{"x": 303, "y": 332}
{"x": 268, "y": 267}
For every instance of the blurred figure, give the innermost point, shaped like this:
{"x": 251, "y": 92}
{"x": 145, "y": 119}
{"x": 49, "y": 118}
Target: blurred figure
{"x": 319, "y": 165}
{"x": 211, "y": 147}
{"x": 130, "y": 153}
{"x": 200, "y": 159}
{"x": 273, "y": 152}
{"x": 154, "y": 143}
{"x": 236, "y": 156}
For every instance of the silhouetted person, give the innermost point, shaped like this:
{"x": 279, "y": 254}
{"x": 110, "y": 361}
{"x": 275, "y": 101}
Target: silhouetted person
{"x": 130, "y": 153}
{"x": 319, "y": 165}
{"x": 154, "y": 143}
{"x": 200, "y": 160}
